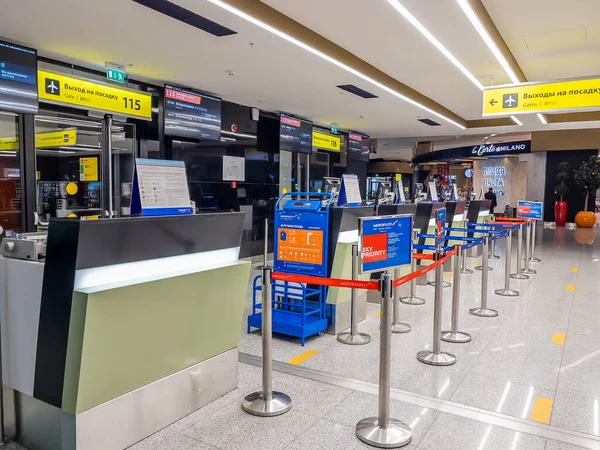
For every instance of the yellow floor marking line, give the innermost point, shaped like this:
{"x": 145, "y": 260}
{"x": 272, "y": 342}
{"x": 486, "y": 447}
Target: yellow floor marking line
{"x": 473, "y": 260}
{"x": 575, "y": 269}
{"x": 448, "y": 275}
{"x": 559, "y": 338}
{"x": 570, "y": 287}
{"x": 542, "y": 407}
{"x": 378, "y": 314}
{"x": 303, "y": 357}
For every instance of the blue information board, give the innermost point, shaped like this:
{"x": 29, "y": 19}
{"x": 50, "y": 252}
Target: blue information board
{"x": 386, "y": 242}
{"x": 440, "y": 227}
{"x": 302, "y": 234}
{"x": 530, "y": 210}
{"x": 159, "y": 188}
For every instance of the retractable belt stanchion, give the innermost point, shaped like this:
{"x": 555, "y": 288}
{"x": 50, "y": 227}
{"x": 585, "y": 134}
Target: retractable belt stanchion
{"x": 463, "y": 268}
{"x": 532, "y": 257}
{"x": 454, "y": 335}
{"x": 483, "y": 310}
{"x": 480, "y": 267}
{"x": 507, "y": 291}
{"x": 493, "y": 249}
{"x": 518, "y": 275}
{"x": 383, "y": 431}
{"x": 353, "y": 337}
{"x": 527, "y": 270}
{"x": 412, "y": 299}
{"x": 267, "y": 403}
{"x": 436, "y": 357}
{"x": 397, "y": 326}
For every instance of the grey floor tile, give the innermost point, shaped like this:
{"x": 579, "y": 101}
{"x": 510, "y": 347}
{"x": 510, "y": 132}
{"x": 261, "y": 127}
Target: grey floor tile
{"x": 581, "y": 382}
{"x": 329, "y": 435}
{"x": 505, "y": 397}
{"x": 557, "y": 445}
{"x": 360, "y": 405}
{"x": 576, "y": 412}
{"x": 231, "y": 428}
{"x": 456, "y": 433}
{"x": 169, "y": 439}
{"x": 358, "y": 362}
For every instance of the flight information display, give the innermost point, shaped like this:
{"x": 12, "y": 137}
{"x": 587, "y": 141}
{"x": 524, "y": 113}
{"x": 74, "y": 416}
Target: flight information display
{"x": 192, "y": 114}
{"x": 295, "y": 135}
{"x": 18, "y": 78}
{"x": 358, "y": 146}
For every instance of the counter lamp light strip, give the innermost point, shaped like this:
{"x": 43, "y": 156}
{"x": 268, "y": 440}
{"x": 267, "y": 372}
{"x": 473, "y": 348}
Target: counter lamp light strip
{"x": 326, "y": 57}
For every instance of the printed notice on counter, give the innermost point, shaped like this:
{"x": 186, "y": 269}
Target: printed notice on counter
{"x": 234, "y": 168}
{"x": 160, "y": 188}
{"x": 385, "y": 242}
{"x": 433, "y": 192}
{"x": 350, "y": 191}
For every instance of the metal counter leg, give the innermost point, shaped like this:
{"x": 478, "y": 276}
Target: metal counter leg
{"x": 527, "y": 269}
{"x": 397, "y": 326}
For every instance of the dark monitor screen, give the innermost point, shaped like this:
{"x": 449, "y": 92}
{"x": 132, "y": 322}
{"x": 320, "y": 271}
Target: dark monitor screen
{"x": 295, "y": 135}
{"x": 358, "y": 146}
{"x": 18, "y": 78}
{"x": 191, "y": 114}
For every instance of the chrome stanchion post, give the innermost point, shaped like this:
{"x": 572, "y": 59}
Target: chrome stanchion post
{"x": 483, "y": 310}
{"x": 493, "y": 247}
{"x": 463, "y": 268}
{"x": 383, "y": 431}
{"x": 354, "y": 337}
{"x": 412, "y": 299}
{"x": 532, "y": 257}
{"x": 507, "y": 291}
{"x": 397, "y": 326}
{"x": 266, "y": 403}
{"x": 454, "y": 335}
{"x": 436, "y": 357}
{"x": 526, "y": 269}
{"x": 518, "y": 275}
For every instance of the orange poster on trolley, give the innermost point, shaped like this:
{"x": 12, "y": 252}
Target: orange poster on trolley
{"x": 300, "y": 246}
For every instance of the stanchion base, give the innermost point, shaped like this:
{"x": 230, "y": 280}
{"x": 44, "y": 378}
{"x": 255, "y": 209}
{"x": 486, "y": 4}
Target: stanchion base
{"x": 506, "y": 292}
{"x": 401, "y": 328}
{"x": 456, "y": 338}
{"x": 494, "y": 257}
{"x": 436, "y": 359}
{"x": 534, "y": 260}
{"x": 354, "y": 339}
{"x": 466, "y": 271}
{"x": 255, "y": 404}
{"x": 412, "y": 300}
{"x": 519, "y": 276}
{"x": 529, "y": 271}
{"x": 483, "y": 312}
{"x": 396, "y": 434}
{"x": 445, "y": 284}
{"x": 481, "y": 268}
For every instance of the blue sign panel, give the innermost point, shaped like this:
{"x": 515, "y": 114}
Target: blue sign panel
{"x": 530, "y": 210}
{"x": 301, "y": 236}
{"x": 385, "y": 242}
{"x": 440, "y": 227}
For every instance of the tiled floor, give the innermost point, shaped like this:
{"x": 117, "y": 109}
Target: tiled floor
{"x": 516, "y": 369}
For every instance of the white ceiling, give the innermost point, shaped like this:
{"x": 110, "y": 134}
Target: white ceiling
{"x": 275, "y": 75}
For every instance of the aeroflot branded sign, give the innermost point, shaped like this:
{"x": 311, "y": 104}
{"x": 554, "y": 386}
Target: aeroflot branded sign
{"x": 385, "y": 242}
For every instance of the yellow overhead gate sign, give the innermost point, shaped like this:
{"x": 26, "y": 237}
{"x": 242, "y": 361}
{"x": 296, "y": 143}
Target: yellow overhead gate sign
{"x": 326, "y": 141}
{"x": 542, "y": 98}
{"x": 86, "y": 94}
{"x": 66, "y": 137}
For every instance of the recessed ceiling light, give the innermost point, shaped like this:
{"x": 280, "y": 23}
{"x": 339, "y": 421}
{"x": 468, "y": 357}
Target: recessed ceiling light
{"x": 517, "y": 121}
{"x": 328, "y": 58}
{"x": 431, "y": 38}
{"x": 542, "y": 118}
{"x": 483, "y": 32}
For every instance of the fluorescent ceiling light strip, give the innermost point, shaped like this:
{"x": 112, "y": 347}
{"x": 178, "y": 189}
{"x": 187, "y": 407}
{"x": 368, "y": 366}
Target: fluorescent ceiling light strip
{"x": 437, "y": 44}
{"x": 542, "y": 119}
{"x": 326, "y": 57}
{"x": 483, "y": 32}
{"x": 517, "y": 121}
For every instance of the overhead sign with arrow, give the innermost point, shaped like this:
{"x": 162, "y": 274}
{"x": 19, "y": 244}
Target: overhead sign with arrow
{"x": 531, "y": 98}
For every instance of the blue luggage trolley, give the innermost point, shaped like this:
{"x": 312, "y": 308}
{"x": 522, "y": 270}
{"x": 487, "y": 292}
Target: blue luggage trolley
{"x": 301, "y": 247}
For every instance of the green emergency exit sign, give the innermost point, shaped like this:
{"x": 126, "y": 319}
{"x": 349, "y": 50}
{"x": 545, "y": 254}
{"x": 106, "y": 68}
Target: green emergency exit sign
{"x": 115, "y": 75}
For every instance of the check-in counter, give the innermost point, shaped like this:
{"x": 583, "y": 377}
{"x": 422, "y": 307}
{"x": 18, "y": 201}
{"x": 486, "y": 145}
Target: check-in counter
{"x": 478, "y": 211}
{"x": 128, "y": 326}
{"x": 343, "y": 234}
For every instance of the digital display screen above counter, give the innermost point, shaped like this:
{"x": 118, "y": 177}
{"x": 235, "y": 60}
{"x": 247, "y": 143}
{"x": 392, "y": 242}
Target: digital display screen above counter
{"x": 192, "y": 114}
{"x": 358, "y": 146}
{"x": 295, "y": 135}
{"x": 18, "y": 78}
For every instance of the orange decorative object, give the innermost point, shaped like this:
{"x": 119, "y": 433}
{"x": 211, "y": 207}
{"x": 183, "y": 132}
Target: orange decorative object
{"x": 585, "y": 219}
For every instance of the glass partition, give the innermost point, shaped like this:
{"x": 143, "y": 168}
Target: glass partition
{"x": 10, "y": 174}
